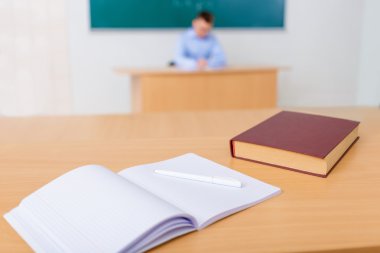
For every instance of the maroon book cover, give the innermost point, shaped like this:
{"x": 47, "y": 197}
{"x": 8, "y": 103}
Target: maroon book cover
{"x": 307, "y": 134}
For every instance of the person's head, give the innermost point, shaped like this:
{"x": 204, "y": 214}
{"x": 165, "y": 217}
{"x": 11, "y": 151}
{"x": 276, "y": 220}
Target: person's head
{"x": 203, "y": 23}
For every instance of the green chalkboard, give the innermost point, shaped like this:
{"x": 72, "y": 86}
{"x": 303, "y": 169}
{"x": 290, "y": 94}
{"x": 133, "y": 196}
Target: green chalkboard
{"x": 179, "y": 13}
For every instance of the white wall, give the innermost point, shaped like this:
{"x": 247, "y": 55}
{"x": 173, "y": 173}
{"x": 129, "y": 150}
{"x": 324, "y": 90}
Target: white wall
{"x": 369, "y": 71}
{"x": 320, "y": 45}
{"x": 331, "y": 47}
{"x": 34, "y": 77}
{"x": 94, "y": 55}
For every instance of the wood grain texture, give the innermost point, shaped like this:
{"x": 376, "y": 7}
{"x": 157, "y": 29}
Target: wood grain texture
{"x": 176, "y": 90}
{"x": 340, "y": 213}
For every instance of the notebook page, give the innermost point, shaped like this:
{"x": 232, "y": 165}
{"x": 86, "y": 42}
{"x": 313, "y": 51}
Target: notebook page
{"x": 206, "y": 202}
{"x": 92, "y": 209}
{"x": 164, "y": 233}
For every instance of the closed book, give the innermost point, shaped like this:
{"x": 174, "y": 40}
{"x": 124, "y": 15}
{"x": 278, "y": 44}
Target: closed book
{"x": 302, "y": 142}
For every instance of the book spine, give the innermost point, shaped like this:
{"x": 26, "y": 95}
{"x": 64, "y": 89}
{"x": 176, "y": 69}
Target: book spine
{"x": 232, "y": 148}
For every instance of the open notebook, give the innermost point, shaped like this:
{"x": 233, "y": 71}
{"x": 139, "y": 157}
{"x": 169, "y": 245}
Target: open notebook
{"x": 92, "y": 209}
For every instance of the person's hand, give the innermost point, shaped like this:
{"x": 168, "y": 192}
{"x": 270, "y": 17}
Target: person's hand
{"x": 202, "y": 64}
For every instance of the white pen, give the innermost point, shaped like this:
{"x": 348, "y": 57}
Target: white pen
{"x": 207, "y": 179}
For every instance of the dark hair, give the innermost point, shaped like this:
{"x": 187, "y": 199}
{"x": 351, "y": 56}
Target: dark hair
{"x": 206, "y": 16}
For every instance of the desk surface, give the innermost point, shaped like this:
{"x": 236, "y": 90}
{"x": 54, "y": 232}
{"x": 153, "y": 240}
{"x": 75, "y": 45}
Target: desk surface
{"x": 174, "y": 71}
{"x": 341, "y": 212}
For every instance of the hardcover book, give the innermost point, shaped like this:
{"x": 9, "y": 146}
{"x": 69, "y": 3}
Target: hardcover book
{"x": 301, "y": 142}
{"x": 92, "y": 209}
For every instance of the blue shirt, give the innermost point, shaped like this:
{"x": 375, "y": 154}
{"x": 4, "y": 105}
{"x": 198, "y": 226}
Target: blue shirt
{"x": 192, "y": 48}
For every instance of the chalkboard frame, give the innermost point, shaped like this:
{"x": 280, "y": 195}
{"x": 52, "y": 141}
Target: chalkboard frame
{"x": 230, "y": 14}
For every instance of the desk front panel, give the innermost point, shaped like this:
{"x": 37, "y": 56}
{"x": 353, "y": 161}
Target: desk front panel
{"x": 188, "y": 92}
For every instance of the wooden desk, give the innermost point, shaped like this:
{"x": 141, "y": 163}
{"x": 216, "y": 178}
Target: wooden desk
{"x": 338, "y": 214}
{"x": 177, "y": 90}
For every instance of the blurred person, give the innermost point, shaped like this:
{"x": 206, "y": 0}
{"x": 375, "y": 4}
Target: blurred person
{"x": 198, "y": 48}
